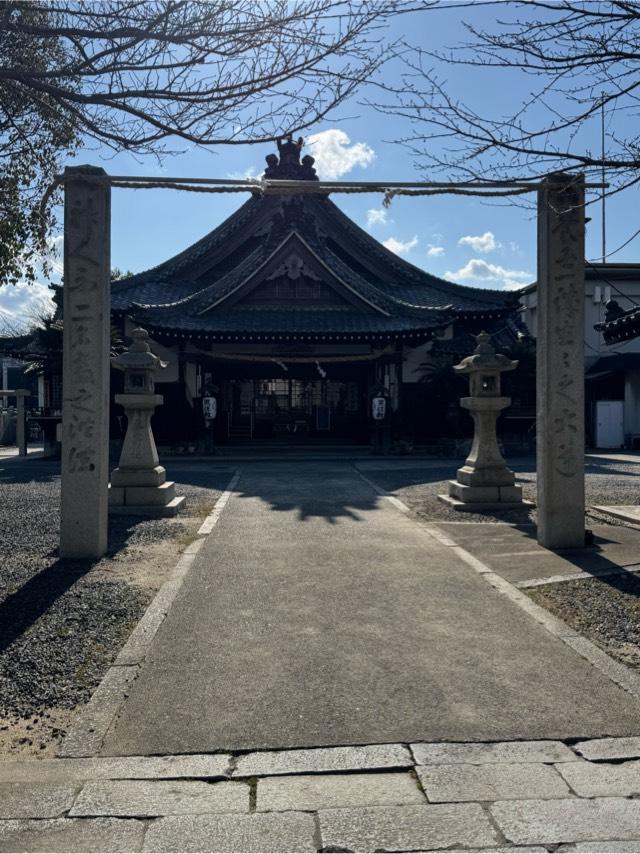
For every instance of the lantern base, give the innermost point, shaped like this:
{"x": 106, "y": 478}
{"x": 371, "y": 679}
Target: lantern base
{"x": 483, "y": 506}
{"x": 141, "y": 500}
{"x": 481, "y": 494}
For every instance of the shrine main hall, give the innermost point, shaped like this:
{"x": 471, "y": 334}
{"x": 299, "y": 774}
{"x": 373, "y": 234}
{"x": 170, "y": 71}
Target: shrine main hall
{"x": 293, "y": 318}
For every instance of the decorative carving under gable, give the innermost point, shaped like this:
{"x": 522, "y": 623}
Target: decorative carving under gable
{"x": 294, "y": 267}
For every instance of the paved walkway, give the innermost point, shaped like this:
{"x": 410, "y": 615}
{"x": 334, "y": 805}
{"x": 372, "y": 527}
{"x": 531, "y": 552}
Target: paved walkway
{"x": 318, "y": 614}
{"x": 394, "y": 797}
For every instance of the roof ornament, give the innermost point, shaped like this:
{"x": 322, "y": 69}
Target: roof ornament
{"x": 613, "y": 310}
{"x": 288, "y": 165}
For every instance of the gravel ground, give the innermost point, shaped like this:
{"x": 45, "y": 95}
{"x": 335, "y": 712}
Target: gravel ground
{"x": 63, "y": 622}
{"x": 606, "y": 610}
{"x": 607, "y": 482}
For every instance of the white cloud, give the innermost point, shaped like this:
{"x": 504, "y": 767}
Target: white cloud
{"x": 400, "y": 247}
{"x": 479, "y": 270}
{"x": 481, "y": 243}
{"x": 23, "y": 303}
{"x": 335, "y": 155}
{"x": 435, "y": 251}
{"x": 376, "y": 216}
{"x": 251, "y": 173}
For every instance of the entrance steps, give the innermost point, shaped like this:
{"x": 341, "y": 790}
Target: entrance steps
{"x": 240, "y": 431}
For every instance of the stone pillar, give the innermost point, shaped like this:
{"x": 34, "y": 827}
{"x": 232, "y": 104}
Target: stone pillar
{"x": 560, "y": 362}
{"x": 21, "y": 421}
{"x": 85, "y": 373}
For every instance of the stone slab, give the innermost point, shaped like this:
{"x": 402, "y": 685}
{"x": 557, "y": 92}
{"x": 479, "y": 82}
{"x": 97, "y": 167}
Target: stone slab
{"x": 501, "y": 752}
{"x": 323, "y": 759}
{"x": 162, "y": 494}
{"x": 454, "y": 783}
{"x": 628, "y": 512}
{"x": 138, "y": 477}
{"x": 72, "y": 835}
{"x": 607, "y": 847}
{"x": 482, "y": 506}
{"x": 593, "y": 780}
{"x": 114, "y": 768}
{"x": 155, "y": 510}
{"x": 331, "y": 791}
{"x": 498, "y": 475}
{"x": 35, "y": 800}
{"x": 237, "y": 833}
{"x": 479, "y": 494}
{"x": 567, "y": 820}
{"x": 160, "y": 797}
{"x": 92, "y": 722}
{"x": 425, "y": 828}
{"x": 610, "y": 748}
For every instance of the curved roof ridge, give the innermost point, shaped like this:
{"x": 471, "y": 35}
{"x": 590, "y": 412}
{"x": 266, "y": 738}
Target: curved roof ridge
{"x": 401, "y": 263}
{"x": 196, "y": 249}
{"x": 242, "y": 266}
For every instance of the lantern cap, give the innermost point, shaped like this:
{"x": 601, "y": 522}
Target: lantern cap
{"x": 139, "y": 356}
{"x": 485, "y": 358}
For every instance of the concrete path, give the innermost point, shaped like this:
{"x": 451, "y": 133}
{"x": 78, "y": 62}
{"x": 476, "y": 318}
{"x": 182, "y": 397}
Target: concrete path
{"x": 318, "y": 614}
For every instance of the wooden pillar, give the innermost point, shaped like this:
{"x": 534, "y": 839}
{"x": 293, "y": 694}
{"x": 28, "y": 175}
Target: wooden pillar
{"x": 85, "y": 373}
{"x": 560, "y": 362}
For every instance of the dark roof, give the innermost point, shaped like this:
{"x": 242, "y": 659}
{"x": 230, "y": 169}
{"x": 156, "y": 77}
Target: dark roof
{"x": 619, "y": 325}
{"x": 207, "y": 288}
{"x": 506, "y": 334}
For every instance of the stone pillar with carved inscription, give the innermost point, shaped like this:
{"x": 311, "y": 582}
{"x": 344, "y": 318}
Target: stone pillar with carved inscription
{"x": 484, "y": 482}
{"x": 560, "y": 362}
{"x": 139, "y": 485}
{"x": 85, "y": 372}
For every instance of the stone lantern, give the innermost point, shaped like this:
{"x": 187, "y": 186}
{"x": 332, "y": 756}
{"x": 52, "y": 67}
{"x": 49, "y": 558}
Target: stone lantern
{"x": 484, "y": 481}
{"x": 139, "y": 485}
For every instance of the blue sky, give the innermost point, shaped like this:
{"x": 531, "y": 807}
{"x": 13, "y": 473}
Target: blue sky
{"x": 471, "y": 241}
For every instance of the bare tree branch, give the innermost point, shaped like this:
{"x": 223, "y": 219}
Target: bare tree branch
{"x": 149, "y": 75}
{"x": 583, "y": 57}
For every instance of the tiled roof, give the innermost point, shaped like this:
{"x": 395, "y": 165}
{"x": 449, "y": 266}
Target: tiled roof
{"x": 622, "y": 326}
{"x": 189, "y": 292}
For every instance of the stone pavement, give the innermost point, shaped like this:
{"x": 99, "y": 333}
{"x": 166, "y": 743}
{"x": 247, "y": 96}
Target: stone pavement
{"x": 514, "y": 796}
{"x": 316, "y": 614}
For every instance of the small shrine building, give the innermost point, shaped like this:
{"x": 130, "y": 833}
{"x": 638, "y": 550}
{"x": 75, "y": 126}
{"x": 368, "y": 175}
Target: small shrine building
{"x": 292, "y": 316}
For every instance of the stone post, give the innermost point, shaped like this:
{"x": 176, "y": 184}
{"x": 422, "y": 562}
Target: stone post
{"x": 21, "y": 421}
{"x": 560, "y": 362}
{"x": 85, "y": 372}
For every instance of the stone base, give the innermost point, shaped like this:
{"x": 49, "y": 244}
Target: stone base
{"x": 154, "y": 510}
{"x": 145, "y": 500}
{"x": 138, "y": 477}
{"x": 483, "y": 506}
{"x": 483, "y": 494}
{"x": 495, "y": 476}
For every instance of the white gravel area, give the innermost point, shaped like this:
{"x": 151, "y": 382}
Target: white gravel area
{"x": 63, "y": 622}
{"x": 606, "y": 482}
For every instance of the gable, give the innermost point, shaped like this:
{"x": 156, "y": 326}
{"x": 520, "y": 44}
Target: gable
{"x": 294, "y": 276}
{"x": 294, "y": 283}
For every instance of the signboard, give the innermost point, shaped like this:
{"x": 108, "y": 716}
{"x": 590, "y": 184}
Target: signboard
{"x": 209, "y": 408}
{"x": 378, "y": 408}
